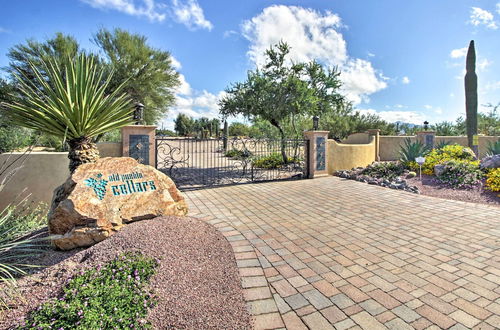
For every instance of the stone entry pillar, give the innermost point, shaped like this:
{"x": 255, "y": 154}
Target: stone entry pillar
{"x": 317, "y": 153}
{"x": 138, "y": 142}
{"x": 427, "y": 138}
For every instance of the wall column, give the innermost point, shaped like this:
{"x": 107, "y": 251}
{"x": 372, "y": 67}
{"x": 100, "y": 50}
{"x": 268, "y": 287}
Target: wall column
{"x": 316, "y": 157}
{"x": 427, "y": 138}
{"x": 376, "y": 133}
{"x": 138, "y": 142}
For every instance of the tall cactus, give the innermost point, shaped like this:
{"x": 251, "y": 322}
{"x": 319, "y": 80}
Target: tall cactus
{"x": 471, "y": 98}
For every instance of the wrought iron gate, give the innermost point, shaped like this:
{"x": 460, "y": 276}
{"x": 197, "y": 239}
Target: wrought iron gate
{"x": 196, "y": 163}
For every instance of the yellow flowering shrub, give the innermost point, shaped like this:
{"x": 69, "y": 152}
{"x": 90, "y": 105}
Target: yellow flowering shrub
{"x": 450, "y": 152}
{"x": 493, "y": 180}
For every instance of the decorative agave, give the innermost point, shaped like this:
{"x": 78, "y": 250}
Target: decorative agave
{"x": 471, "y": 99}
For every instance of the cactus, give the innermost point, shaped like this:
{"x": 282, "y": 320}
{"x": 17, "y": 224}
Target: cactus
{"x": 471, "y": 98}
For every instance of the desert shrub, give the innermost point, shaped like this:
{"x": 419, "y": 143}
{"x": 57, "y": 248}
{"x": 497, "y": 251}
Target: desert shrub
{"x": 460, "y": 174}
{"x": 385, "y": 170}
{"x": 238, "y": 154}
{"x": 411, "y": 150}
{"x": 14, "y": 138}
{"x": 16, "y": 222}
{"x": 110, "y": 297}
{"x": 493, "y": 180}
{"x": 445, "y": 154}
{"x": 493, "y": 148}
{"x": 272, "y": 161}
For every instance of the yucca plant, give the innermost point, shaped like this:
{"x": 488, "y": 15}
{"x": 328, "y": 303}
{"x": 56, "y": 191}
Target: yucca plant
{"x": 411, "y": 150}
{"x": 69, "y": 101}
{"x": 493, "y": 148}
{"x": 442, "y": 144}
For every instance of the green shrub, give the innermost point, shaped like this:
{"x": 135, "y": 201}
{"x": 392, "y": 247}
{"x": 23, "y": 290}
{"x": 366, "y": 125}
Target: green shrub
{"x": 442, "y": 144}
{"x": 13, "y": 138}
{"x": 16, "y": 222}
{"x": 238, "y": 154}
{"x": 272, "y": 161}
{"x": 385, "y": 170}
{"x": 411, "y": 150}
{"x": 460, "y": 174}
{"x": 493, "y": 148}
{"x": 111, "y": 297}
{"x": 447, "y": 153}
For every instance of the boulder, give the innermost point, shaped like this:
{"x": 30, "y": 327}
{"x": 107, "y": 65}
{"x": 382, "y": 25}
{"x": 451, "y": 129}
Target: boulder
{"x": 490, "y": 162}
{"x": 100, "y": 198}
{"x": 438, "y": 169}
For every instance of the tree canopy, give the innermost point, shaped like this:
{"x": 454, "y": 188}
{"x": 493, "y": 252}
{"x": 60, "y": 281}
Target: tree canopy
{"x": 146, "y": 73}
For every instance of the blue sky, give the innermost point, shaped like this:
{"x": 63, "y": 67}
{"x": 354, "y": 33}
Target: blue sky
{"x": 404, "y": 60}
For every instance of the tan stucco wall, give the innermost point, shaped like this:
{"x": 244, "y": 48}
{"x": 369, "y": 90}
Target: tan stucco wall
{"x": 357, "y": 138}
{"x": 390, "y": 145}
{"x": 110, "y": 149}
{"x": 41, "y": 173}
{"x": 346, "y": 156}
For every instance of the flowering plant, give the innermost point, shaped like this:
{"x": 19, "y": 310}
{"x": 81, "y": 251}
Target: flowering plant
{"x": 460, "y": 174}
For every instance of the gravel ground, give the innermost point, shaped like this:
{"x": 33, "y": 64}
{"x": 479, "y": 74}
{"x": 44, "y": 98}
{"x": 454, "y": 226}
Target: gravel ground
{"x": 197, "y": 281}
{"x": 429, "y": 187}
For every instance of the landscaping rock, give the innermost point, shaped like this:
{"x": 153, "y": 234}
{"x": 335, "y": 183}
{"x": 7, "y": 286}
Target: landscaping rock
{"x": 99, "y": 198}
{"x": 438, "y": 169}
{"x": 411, "y": 175}
{"x": 490, "y": 162}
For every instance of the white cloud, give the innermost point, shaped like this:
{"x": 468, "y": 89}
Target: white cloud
{"x": 498, "y": 8}
{"x": 190, "y": 14}
{"x": 458, "y": 53}
{"x": 428, "y": 106}
{"x": 229, "y": 33}
{"x": 412, "y": 117}
{"x": 405, "y": 80}
{"x": 482, "y": 17}
{"x": 483, "y": 64}
{"x": 175, "y": 63}
{"x": 3, "y": 30}
{"x": 146, "y": 8}
{"x": 438, "y": 111}
{"x": 312, "y": 35}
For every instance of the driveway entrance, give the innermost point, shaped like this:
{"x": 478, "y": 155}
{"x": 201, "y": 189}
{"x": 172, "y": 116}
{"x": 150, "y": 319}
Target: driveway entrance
{"x": 330, "y": 253}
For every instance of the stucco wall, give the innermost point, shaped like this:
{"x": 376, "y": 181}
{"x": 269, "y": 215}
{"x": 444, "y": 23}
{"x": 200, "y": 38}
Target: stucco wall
{"x": 390, "y": 145}
{"x": 42, "y": 172}
{"x": 342, "y": 156}
{"x": 110, "y": 149}
{"x": 39, "y": 175}
{"x": 357, "y": 138}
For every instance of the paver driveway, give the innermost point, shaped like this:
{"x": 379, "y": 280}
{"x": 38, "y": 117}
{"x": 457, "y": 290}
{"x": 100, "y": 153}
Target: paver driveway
{"x": 331, "y": 253}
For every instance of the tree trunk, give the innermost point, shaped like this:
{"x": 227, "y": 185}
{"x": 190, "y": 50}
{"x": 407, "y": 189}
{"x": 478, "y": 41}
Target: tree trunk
{"x": 82, "y": 150}
{"x": 283, "y": 141}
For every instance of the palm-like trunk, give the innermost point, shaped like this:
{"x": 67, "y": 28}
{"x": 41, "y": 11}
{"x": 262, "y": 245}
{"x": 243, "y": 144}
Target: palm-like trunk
{"x": 82, "y": 150}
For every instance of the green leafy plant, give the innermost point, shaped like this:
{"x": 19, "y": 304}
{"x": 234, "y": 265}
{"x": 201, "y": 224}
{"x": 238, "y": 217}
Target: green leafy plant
{"x": 493, "y": 148}
{"x": 384, "y": 170}
{"x": 112, "y": 296}
{"x": 447, "y": 153}
{"x": 16, "y": 222}
{"x": 69, "y": 102}
{"x": 273, "y": 161}
{"x": 238, "y": 154}
{"x": 460, "y": 174}
{"x": 411, "y": 150}
{"x": 493, "y": 180}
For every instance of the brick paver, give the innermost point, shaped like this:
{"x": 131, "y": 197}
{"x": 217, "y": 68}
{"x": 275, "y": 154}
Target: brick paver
{"x": 335, "y": 253}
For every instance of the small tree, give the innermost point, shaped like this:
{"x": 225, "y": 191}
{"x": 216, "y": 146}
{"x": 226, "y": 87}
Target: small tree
{"x": 147, "y": 74}
{"x": 69, "y": 101}
{"x": 183, "y": 124}
{"x": 281, "y": 91}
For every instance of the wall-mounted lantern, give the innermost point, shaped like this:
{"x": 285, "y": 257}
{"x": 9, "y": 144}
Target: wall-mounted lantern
{"x": 315, "y": 123}
{"x": 139, "y": 113}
